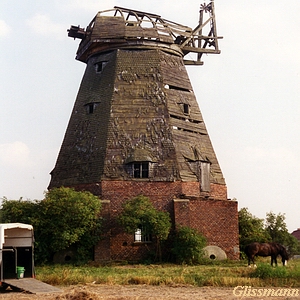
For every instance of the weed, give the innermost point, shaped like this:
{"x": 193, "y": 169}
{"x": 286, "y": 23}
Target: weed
{"x": 267, "y": 271}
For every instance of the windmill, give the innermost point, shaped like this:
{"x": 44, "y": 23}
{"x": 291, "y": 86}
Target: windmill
{"x": 136, "y": 127}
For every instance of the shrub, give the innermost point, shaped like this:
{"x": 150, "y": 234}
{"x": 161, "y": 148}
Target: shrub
{"x": 188, "y": 246}
{"x": 64, "y": 218}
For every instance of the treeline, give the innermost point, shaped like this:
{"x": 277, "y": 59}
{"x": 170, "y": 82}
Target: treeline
{"x": 271, "y": 229}
{"x": 66, "y": 218}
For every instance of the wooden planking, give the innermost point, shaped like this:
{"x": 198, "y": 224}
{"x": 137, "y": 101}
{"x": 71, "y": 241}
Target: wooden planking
{"x": 115, "y": 27}
{"x": 33, "y": 286}
{"x": 175, "y": 97}
{"x": 199, "y": 128}
{"x": 108, "y": 27}
{"x": 174, "y": 72}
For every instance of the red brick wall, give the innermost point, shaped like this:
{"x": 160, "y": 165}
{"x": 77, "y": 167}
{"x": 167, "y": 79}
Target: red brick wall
{"x": 191, "y": 188}
{"x": 218, "y": 191}
{"x": 182, "y": 212}
{"x": 122, "y": 246}
{"x": 216, "y": 219}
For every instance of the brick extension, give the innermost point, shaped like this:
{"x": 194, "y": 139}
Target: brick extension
{"x": 216, "y": 219}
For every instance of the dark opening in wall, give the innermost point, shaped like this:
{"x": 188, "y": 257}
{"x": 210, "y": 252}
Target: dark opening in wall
{"x": 173, "y": 87}
{"x": 186, "y": 109}
{"x": 185, "y": 119}
{"x": 90, "y": 107}
{"x": 99, "y": 66}
{"x": 141, "y": 170}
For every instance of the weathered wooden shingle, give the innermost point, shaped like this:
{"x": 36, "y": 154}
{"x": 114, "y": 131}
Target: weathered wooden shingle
{"x": 135, "y": 97}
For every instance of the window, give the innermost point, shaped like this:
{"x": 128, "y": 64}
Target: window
{"x": 90, "y": 107}
{"x": 141, "y": 170}
{"x": 186, "y": 109}
{"x": 140, "y": 237}
{"x": 99, "y": 66}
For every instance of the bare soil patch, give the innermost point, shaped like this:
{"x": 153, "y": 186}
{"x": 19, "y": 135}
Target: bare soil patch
{"x": 135, "y": 292}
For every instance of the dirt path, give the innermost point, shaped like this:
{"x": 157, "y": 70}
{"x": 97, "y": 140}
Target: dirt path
{"x": 137, "y": 292}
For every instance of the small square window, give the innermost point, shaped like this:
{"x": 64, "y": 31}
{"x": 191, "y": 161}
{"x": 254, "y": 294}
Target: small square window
{"x": 141, "y": 237}
{"x": 141, "y": 170}
{"x": 99, "y": 66}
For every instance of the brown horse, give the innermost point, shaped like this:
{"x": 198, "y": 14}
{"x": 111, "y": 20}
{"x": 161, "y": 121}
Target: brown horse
{"x": 266, "y": 249}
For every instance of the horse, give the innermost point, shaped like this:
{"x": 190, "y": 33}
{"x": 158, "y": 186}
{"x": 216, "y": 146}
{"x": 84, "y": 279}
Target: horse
{"x": 266, "y": 249}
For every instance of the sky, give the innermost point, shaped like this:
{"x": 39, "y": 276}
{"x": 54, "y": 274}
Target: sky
{"x": 249, "y": 95}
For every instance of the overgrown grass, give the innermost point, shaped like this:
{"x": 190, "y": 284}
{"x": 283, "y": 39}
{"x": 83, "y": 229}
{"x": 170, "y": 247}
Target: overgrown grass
{"x": 280, "y": 275}
{"x": 221, "y": 274}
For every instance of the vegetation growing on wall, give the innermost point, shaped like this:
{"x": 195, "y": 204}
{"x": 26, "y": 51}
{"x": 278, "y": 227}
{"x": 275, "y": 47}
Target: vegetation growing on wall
{"x": 139, "y": 213}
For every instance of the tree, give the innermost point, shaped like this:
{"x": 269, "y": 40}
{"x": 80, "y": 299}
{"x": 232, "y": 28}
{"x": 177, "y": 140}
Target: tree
{"x": 64, "y": 218}
{"x": 188, "y": 245}
{"x": 276, "y": 228}
{"x": 18, "y": 211}
{"x": 67, "y": 217}
{"x": 139, "y": 213}
{"x": 251, "y": 229}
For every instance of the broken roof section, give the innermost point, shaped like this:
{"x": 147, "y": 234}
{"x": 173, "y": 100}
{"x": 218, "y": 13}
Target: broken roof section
{"x": 126, "y": 28}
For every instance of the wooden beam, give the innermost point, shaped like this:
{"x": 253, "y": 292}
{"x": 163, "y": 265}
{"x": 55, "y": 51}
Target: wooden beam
{"x": 197, "y": 29}
{"x": 193, "y": 62}
{"x": 187, "y": 49}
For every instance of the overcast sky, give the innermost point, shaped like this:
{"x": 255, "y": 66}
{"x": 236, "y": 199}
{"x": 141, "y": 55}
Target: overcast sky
{"x": 248, "y": 95}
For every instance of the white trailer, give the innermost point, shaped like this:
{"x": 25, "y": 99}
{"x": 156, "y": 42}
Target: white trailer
{"x": 16, "y": 250}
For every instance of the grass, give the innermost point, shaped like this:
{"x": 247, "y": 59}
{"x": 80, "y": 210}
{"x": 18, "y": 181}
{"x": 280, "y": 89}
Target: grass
{"x": 218, "y": 274}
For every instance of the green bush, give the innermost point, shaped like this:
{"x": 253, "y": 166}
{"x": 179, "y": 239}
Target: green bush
{"x": 188, "y": 246}
{"x": 64, "y": 218}
{"x": 19, "y": 211}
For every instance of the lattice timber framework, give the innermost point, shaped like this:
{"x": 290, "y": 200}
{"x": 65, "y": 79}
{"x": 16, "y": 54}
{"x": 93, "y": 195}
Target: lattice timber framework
{"x": 136, "y": 129}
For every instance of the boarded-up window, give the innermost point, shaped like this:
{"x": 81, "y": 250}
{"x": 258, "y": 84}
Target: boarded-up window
{"x": 204, "y": 173}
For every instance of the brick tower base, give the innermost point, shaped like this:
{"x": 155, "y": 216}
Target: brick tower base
{"x": 215, "y": 218}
